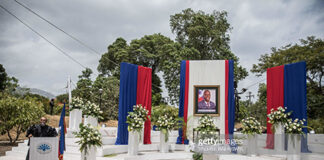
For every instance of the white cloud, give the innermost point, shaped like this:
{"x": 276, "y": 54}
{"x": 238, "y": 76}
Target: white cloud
{"x": 257, "y": 26}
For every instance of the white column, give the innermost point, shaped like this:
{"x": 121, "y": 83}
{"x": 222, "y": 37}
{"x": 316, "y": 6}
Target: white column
{"x": 252, "y": 145}
{"x": 294, "y": 147}
{"x": 91, "y": 120}
{"x": 279, "y": 145}
{"x": 133, "y": 142}
{"x": 164, "y": 146}
{"x": 71, "y": 115}
{"x": 91, "y": 154}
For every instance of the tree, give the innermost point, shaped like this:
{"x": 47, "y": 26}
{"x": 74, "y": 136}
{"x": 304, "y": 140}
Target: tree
{"x": 310, "y": 50}
{"x": 29, "y": 113}
{"x": 3, "y": 78}
{"x": 83, "y": 89}
{"x": 208, "y": 34}
{"x": 109, "y": 96}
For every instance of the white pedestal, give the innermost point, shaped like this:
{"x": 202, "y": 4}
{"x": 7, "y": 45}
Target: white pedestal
{"x": 164, "y": 146}
{"x": 252, "y": 145}
{"x": 294, "y": 147}
{"x": 279, "y": 144}
{"x": 133, "y": 143}
{"x": 91, "y": 154}
{"x": 91, "y": 120}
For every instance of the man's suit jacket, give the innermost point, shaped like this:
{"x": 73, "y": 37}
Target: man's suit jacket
{"x": 202, "y": 105}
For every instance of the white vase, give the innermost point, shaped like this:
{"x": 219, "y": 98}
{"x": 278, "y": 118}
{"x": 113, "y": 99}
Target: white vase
{"x": 77, "y": 119}
{"x": 279, "y": 144}
{"x": 133, "y": 142}
{"x": 252, "y": 145}
{"x": 294, "y": 147}
{"x": 90, "y": 155}
{"x": 164, "y": 146}
{"x": 91, "y": 120}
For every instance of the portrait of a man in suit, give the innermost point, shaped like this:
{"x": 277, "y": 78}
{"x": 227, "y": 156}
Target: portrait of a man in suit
{"x": 206, "y": 100}
{"x": 206, "y": 103}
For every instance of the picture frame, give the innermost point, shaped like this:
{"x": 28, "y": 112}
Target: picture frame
{"x": 206, "y": 100}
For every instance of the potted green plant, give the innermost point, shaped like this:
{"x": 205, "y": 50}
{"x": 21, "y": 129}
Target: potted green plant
{"x": 278, "y": 118}
{"x": 165, "y": 118}
{"x": 75, "y": 113}
{"x": 90, "y": 139}
{"x": 252, "y": 128}
{"x": 92, "y": 113}
{"x": 135, "y": 121}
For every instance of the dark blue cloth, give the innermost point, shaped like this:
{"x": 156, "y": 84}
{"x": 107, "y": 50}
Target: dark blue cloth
{"x": 127, "y": 99}
{"x": 231, "y": 104}
{"x": 295, "y": 94}
{"x": 182, "y": 96}
{"x": 62, "y": 130}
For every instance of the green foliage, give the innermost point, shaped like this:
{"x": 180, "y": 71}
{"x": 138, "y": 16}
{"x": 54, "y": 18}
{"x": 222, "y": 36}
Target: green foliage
{"x": 136, "y": 118}
{"x": 251, "y": 126}
{"x": 3, "y": 78}
{"x": 18, "y": 114}
{"x": 45, "y": 101}
{"x": 83, "y": 89}
{"x": 310, "y": 50}
{"x": 317, "y": 125}
{"x": 161, "y": 110}
{"x": 89, "y": 136}
{"x": 197, "y": 156}
{"x": 62, "y": 98}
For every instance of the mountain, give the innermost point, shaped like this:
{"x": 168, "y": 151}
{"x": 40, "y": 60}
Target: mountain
{"x": 46, "y": 94}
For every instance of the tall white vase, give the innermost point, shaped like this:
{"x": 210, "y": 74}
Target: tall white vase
{"x": 294, "y": 147}
{"x": 133, "y": 142}
{"x": 279, "y": 144}
{"x": 91, "y": 120}
{"x": 252, "y": 145}
{"x": 164, "y": 146}
{"x": 90, "y": 155}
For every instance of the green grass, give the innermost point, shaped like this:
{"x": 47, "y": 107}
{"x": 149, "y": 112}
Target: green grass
{"x": 110, "y": 155}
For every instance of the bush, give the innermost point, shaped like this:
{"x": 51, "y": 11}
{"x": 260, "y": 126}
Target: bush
{"x": 18, "y": 114}
{"x": 197, "y": 156}
{"x": 317, "y": 125}
{"x": 158, "y": 111}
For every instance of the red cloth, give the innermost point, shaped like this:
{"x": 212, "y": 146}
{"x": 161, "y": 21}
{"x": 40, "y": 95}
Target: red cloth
{"x": 226, "y": 99}
{"x": 144, "y": 97}
{"x": 185, "y": 113}
{"x": 275, "y": 96}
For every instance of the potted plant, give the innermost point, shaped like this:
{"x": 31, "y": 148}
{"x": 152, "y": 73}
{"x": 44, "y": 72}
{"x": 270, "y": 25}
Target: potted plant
{"x": 165, "y": 118}
{"x": 90, "y": 138}
{"x": 278, "y": 118}
{"x": 91, "y": 113}
{"x": 252, "y": 128}
{"x": 135, "y": 121}
{"x": 294, "y": 130}
{"x": 206, "y": 126}
{"x": 75, "y": 113}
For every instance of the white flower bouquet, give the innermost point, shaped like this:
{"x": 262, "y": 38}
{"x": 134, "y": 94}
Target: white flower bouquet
{"x": 91, "y": 109}
{"x": 251, "y": 126}
{"x": 206, "y": 125}
{"x": 76, "y": 103}
{"x": 89, "y": 136}
{"x": 136, "y": 119}
{"x": 278, "y": 116}
{"x": 294, "y": 126}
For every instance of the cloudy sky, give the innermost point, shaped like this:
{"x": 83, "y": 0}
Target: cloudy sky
{"x": 257, "y": 25}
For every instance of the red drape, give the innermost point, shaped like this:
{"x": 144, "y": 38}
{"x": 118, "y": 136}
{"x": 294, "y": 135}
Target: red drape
{"x": 144, "y": 97}
{"x": 275, "y": 96}
{"x": 185, "y": 113}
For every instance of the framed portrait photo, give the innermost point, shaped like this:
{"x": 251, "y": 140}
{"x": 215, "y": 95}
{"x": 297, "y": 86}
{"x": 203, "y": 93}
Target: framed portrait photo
{"x": 206, "y": 100}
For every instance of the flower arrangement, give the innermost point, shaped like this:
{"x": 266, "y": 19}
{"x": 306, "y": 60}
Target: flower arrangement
{"x": 76, "y": 103}
{"x": 206, "y": 125}
{"x": 294, "y": 126}
{"x": 136, "y": 119}
{"x": 91, "y": 109}
{"x": 251, "y": 126}
{"x": 89, "y": 136}
{"x": 278, "y": 116}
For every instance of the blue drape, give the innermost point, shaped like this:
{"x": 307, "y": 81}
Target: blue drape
{"x": 127, "y": 99}
{"x": 182, "y": 95}
{"x": 231, "y": 104}
{"x": 295, "y": 94}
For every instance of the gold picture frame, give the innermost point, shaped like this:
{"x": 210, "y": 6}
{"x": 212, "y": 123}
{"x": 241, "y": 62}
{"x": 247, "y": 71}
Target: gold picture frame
{"x": 203, "y": 105}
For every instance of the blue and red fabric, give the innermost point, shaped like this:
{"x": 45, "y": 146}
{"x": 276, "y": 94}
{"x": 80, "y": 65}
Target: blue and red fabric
{"x": 229, "y": 99}
{"x": 135, "y": 88}
{"x": 62, "y": 126}
{"x": 286, "y": 87}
